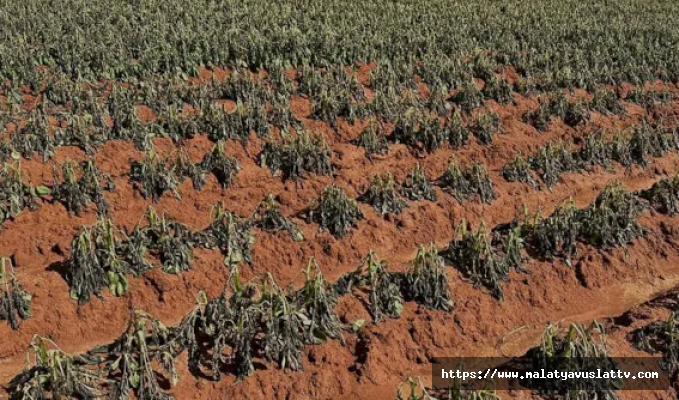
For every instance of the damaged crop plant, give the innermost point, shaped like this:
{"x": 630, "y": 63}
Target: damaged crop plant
{"x": 318, "y": 104}
{"x": 77, "y": 192}
{"x": 334, "y": 211}
{"x": 298, "y": 155}
{"x": 15, "y": 301}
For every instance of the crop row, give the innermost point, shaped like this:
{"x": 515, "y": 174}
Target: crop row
{"x": 553, "y": 44}
{"x": 264, "y": 320}
{"x": 87, "y": 116}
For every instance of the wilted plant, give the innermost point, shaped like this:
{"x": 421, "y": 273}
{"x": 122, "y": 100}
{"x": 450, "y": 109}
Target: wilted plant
{"x": 95, "y": 264}
{"x": 15, "y": 195}
{"x": 660, "y": 337}
{"x": 553, "y": 160}
{"x": 611, "y": 220}
{"x": 467, "y": 183}
{"x": 230, "y": 234}
{"x": 55, "y": 374}
{"x": 595, "y": 151}
{"x": 414, "y": 390}
{"x": 541, "y": 117}
{"x": 223, "y": 167}
{"x": 426, "y": 281}
{"x": 650, "y": 141}
{"x": 302, "y": 154}
{"x": 152, "y": 176}
{"x": 498, "y": 90}
{"x": 417, "y": 187}
{"x": 484, "y": 126}
{"x": 385, "y": 295}
{"x": 555, "y": 235}
{"x": 648, "y": 98}
{"x": 468, "y": 96}
{"x": 373, "y": 141}
{"x": 420, "y": 130}
{"x": 663, "y": 196}
{"x": 473, "y": 254}
{"x": 286, "y": 327}
{"x": 606, "y": 102}
{"x": 318, "y": 301}
{"x": 334, "y": 211}
{"x": 383, "y": 196}
{"x": 268, "y": 217}
{"x": 458, "y": 134}
{"x": 519, "y": 170}
{"x": 170, "y": 241}
{"x": 231, "y": 321}
{"x": 182, "y": 167}
{"x": 579, "y": 348}
{"x": 76, "y": 193}
{"x": 621, "y": 151}
{"x": 15, "y": 301}
{"x": 132, "y": 359}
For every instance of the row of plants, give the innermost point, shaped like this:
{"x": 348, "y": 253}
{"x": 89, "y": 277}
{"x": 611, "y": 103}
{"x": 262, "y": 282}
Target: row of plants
{"x": 553, "y": 45}
{"x": 576, "y": 348}
{"x": 248, "y": 322}
{"x": 646, "y": 141}
{"x": 88, "y": 115}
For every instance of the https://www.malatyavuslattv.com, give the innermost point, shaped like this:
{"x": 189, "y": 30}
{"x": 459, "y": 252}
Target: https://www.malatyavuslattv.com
{"x": 524, "y": 373}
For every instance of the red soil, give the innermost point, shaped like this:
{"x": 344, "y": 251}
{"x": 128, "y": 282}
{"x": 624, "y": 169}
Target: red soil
{"x": 371, "y": 364}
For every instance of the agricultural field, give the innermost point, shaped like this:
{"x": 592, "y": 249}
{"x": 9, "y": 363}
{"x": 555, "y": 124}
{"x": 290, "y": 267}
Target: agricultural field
{"x": 299, "y": 199}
